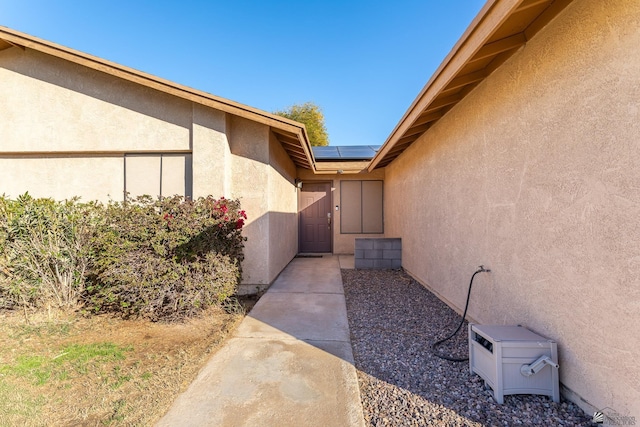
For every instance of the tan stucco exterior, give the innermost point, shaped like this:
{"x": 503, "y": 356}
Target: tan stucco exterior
{"x": 530, "y": 169}
{"x": 283, "y": 206}
{"x": 68, "y": 130}
{"x": 50, "y": 104}
{"x": 535, "y": 175}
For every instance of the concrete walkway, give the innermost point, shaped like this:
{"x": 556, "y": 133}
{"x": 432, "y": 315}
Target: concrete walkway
{"x": 289, "y": 363}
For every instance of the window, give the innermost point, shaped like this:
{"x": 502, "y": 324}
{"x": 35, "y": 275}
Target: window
{"x": 158, "y": 174}
{"x": 361, "y": 207}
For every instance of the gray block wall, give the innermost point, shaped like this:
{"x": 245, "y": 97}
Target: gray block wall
{"x": 378, "y": 253}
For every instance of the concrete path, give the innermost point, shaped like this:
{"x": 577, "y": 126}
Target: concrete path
{"x": 289, "y": 363}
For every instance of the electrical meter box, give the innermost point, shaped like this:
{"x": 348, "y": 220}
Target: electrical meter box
{"x": 514, "y": 360}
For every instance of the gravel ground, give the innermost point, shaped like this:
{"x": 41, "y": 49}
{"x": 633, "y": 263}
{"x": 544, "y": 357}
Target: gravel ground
{"x": 393, "y": 321}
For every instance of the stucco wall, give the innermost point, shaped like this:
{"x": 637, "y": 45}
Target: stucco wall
{"x": 535, "y": 175}
{"x": 262, "y": 176}
{"x": 211, "y": 152}
{"x": 283, "y": 207}
{"x": 67, "y": 130}
{"x": 249, "y": 170}
{"x": 344, "y": 243}
{"x": 52, "y": 104}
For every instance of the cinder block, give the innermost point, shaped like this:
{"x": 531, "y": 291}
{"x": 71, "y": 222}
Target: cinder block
{"x": 362, "y": 243}
{"x": 392, "y": 254}
{"x": 363, "y": 264}
{"x": 383, "y": 243}
{"x": 396, "y": 264}
{"x": 397, "y": 243}
{"x": 359, "y": 254}
{"x": 373, "y": 253}
{"x": 382, "y": 263}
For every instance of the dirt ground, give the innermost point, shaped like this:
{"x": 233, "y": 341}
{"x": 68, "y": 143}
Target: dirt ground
{"x": 101, "y": 370}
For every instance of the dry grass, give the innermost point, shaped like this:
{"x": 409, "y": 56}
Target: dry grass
{"x": 100, "y": 371}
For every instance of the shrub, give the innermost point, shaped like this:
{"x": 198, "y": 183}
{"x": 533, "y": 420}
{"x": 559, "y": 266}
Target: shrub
{"x": 44, "y": 249}
{"x": 166, "y": 258}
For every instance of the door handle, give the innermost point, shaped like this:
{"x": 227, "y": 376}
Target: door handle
{"x": 329, "y": 219}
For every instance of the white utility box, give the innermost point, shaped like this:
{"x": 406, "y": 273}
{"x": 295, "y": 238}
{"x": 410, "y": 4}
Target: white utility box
{"x": 514, "y": 360}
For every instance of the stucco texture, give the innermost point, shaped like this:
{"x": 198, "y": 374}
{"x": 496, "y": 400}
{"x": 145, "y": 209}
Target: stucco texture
{"x": 262, "y": 177}
{"x": 535, "y": 175}
{"x": 68, "y": 130}
{"x": 49, "y": 104}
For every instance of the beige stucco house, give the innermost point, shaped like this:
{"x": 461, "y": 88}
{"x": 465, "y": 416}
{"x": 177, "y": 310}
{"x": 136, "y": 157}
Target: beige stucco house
{"x": 76, "y": 125}
{"x": 521, "y": 153}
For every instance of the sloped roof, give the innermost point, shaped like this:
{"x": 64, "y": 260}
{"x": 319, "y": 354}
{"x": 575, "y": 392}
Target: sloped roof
{"x": 497, "y": 32}
{"x": 292, "y": 135}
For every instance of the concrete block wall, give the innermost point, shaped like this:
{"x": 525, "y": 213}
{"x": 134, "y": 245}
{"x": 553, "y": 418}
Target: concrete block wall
{"x": 378, "y": 253}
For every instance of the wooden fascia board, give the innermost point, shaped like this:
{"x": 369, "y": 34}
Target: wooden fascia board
{"x": 492, "y": 15}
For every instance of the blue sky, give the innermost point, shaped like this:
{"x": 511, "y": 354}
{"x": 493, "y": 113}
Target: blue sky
{"x": 362, "y": 62}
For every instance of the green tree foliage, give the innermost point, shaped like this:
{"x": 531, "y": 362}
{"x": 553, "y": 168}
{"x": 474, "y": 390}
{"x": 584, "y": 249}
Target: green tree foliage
{"x": 311, "y": 116}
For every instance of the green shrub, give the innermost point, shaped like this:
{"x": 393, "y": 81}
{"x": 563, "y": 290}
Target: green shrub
{"x": 44, "y": 250}
{"x": 166, "y": 258}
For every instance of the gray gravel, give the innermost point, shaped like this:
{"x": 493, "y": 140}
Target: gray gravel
{"x": 393, "y": 321}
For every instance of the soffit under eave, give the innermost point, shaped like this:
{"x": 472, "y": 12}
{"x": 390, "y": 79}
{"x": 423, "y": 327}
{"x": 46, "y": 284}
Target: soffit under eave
{"x": 297, "y": 147}
{"x": 499, "y": 30}
{"x": 5, "y": 45}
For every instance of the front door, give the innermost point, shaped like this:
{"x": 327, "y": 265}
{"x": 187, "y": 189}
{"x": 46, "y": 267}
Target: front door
{"x": 314, "y": 205}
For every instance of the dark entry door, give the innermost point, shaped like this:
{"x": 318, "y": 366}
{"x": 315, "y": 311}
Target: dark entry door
{"x": 316, "y": 219}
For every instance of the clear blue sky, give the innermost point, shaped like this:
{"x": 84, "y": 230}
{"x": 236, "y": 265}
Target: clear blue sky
{"x": 363, "y": 62}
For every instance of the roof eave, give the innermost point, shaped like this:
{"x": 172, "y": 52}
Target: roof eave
{"x": 21, "y": 40}
{"x": 474, "y": 44}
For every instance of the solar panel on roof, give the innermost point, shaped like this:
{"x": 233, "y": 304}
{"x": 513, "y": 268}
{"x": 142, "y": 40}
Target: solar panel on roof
{"x": 345, "y": 152}
{"x": 325, "y": 151}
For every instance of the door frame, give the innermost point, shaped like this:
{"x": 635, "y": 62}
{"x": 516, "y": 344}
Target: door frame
{"x": 299, "y": 191}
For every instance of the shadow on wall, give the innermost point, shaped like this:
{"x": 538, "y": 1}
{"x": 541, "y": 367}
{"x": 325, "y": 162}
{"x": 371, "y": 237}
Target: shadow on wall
{"x": 272, "y": 242}
{"x": 102, "y": 86}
